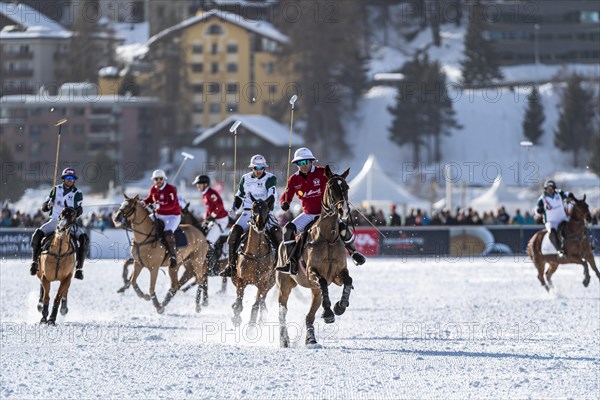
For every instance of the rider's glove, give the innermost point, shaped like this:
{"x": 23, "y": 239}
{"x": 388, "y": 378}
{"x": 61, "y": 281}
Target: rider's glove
{"x": 285, "y": 206}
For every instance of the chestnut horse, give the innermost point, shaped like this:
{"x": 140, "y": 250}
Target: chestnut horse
{"x": 149, "y": 252}
{"x": 323, "y": 261}
{"x": 256, "y": 262}
{"x": 57, "y": 263}
{"x": 576, "y": 244}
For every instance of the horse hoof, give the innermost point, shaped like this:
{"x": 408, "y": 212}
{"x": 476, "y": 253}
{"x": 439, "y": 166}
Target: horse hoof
{"x": 122, "y": 290}
{"x": 313, "y": 346}
{"x": 205, "y": 303}
{"x": 51, "y": 322}
{"x": 237, "y": 320}
{"x": 198, "y": 308}
{"x": 338, "y": 309}
{"x": 160, "y": 310}
{"x": 328, "y": 316}
{"x": 147, "y": 297}
{"x": 284, "y": 343}
{"x": 586, "y": 282}
{"x": 40, "y": 307}
{"x": 43, "y": 320}
{"x": 64, "y": 311}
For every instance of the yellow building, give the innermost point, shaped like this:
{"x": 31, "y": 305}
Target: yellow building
{"x": 226, "y": 66}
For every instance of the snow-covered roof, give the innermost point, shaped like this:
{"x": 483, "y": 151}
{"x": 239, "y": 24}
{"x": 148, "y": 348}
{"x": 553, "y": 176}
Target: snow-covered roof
{"x": 36, "y": 24}
{"x": 261, "y": 125}
{"x": 261, "y": 27}
{"x": 372, "y": 183}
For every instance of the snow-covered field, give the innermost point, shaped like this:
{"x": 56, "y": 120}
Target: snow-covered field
{"x": 414, "y": 329}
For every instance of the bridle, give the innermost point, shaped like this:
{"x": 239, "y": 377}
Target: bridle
{"x": 328, "y": 204}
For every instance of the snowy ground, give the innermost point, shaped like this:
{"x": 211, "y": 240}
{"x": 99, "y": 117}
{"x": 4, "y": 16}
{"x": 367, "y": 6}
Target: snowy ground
{"x": 414, "y": 329}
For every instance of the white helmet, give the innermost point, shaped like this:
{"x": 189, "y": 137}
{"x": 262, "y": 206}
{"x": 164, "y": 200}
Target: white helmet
{"x": 303, "y": 154}
{"x": 258, "y": 161}
{"x": 159, "y": 173}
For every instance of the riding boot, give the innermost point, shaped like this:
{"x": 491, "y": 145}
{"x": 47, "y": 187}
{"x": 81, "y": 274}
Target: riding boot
{"x": 170, "y": 242}
{"x": 348, "y": 238}
{"x": 81, "y": 253}
{"x": 556, "y": 243}
{"x": 36, "y": 249}
{"x": 235, "y": 236}
{"x": 292, "y": 251}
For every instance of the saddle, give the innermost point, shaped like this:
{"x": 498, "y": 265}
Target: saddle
{"x": 47, "y": 241}
{"x": 180, "y": 238}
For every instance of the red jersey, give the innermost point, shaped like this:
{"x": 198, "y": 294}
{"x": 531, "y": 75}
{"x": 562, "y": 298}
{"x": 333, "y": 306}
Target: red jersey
{"x": 213, "y": 203}
{"x": 166, "y": 198}
{"x": 310, "y": 190}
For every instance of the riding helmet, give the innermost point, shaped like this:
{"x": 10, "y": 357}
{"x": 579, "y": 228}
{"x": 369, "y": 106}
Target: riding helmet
{"x": 201, "y": 179}
{"x": 549, "y": 184}
{"x": 258, "y": 161}
{"x": 303, "y": 154}
{"x": 68, "y": 172}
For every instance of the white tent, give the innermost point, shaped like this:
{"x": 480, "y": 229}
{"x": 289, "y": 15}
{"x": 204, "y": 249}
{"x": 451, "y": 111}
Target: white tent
{"x": 500, "y": 195}
{"x": 373, "y": 185}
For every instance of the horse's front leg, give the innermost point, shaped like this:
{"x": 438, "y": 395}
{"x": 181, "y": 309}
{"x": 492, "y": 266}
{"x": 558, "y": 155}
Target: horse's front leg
{"x": 340, "y": 306}
{"x": 133, "y": 280}
{"x": 590, "y": 259}
{"x": 586, "y": 273}
{"x": 125, "y": 274}
{"x": 238, "y": 305}
{"x": 260, "y": 293}
{"x": 285, "y": 284}
{"x": 46, "y": 287}
{"x": 553, "y": 266}
{"x": 40, "y": 305}
{"x": 202, "y": 281}
{"x": 311, "y": 339}
{"x": 62, "y": 293}
{"x": 153, "y": 276}
{"x": 327, "y": 315}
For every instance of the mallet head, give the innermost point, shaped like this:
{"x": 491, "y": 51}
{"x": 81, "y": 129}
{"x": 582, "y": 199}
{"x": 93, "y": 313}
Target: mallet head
{"x": 235, "y": 126}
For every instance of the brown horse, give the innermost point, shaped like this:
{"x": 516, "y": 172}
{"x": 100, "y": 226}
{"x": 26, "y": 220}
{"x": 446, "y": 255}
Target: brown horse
{"x": 57, "y": 263}
{"x": 324, "y": 261}
{"x": 577, "y": 247}
{"x": 149, "y": 252}
{"x": 255, "y": 263}
{"x": 187, "y": 217}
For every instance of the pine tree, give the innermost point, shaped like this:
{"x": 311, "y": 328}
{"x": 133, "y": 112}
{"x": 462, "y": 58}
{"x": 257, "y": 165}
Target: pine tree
{"x": 575, "y": 124}
{"x": 480, "y": 65}
{"x": 534, "y": 117}
{"x": 323, "y": 47}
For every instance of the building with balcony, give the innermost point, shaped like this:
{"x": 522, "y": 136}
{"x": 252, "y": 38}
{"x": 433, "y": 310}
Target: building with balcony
{"x": 546, "y": 31}
{"x": 124, "y": 128}
{"x": 217, "y": 64}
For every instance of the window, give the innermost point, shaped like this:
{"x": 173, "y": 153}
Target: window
{"x": 198, "y": 108}
{"x": 197, "y": 88}
{"x": 214, "y": 68}
{"x": 214, "y": 48}
{"x": 19, "y": 148}
{"x": 232, "y": 67}
{"x": 589, "y": 17}
{"x": 215, "y": 29}
{"x": 197, "y": 67}
{"x": 269, "y": 68}
{"x": 214, "y": 88}
{"x": 215, "y": 108}
{"x": 272, "y": 89}
{"x": 232, "y": 107}
{"x": 197, "y": 49}
{"x": 232, "y": 88}
{"x": 232, "y": 48}
{"x": 78, "y": 128}
{"x": 77, "y": 111}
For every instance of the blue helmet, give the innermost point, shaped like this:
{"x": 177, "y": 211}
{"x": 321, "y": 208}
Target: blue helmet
{"x": 68, "y": 172}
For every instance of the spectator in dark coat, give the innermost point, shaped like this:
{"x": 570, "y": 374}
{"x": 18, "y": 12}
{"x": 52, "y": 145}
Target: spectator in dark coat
{"x": 394, "y": 219}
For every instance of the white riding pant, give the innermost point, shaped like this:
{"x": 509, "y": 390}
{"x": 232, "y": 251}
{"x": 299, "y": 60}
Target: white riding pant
{"x": 302, "y": 220}
{"x": 171, "y": 221}
{"x": 553, "y": 224}
{"x": 245, "y": 218}
{"x": 218, "y": 228}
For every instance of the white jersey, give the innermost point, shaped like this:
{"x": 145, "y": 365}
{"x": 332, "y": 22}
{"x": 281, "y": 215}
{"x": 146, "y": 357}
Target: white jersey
{"x": 554, "y": 207}
{"x": 261, "y": 188}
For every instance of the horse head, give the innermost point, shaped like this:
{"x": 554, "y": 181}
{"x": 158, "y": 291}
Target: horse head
{"x": 260, "y": 211}
{"x": 581, "y": 210}
{"x": 126, "y": 212}
{"x": 336, "y": 193}
{"x": 66, "y": 219}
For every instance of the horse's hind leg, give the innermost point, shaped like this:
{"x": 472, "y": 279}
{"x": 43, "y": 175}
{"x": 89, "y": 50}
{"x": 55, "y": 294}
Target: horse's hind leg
{"x": 551, "y": 270}
{"x": 286, "y": 284}
{"x": 340, "y": 306}
{"x": 125, "y": 274}
{"x": 133, "y": 280}
{"x": 174, "y": 286}
{"x": 327, "y": 315}
{"x": 260, "y": 294}
{"x": 590, "y": 259}
{"x": 540, "y": 265}
{"x": 153, "y": 275}
{"x": 238, "y": 305}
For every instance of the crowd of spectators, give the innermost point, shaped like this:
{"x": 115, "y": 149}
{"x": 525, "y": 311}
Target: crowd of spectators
{"x": 415, "y": 217}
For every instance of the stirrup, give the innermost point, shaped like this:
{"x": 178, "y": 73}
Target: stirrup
{"x": 228, "y": 272}
{"x": 287, "y": 268}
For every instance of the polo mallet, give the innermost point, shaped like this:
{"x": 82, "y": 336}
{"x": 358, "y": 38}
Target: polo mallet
{"x": 59, "y": 123}
{"x": 233, "y": 130}
{"x": 185, "y": 158}
{"x": 292, "y": 102}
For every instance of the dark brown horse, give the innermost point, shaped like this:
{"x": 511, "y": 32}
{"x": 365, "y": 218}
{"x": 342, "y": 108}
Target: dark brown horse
{"x": 323, "y": 261}
{"x": 149, "y": 253}
{"x": 255, "y": 263}
{"x": 576, "y": 244}
{"x": 57, "y": 263}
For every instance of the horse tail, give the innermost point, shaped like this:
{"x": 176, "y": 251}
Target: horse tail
{"x": 534, "y": 248}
